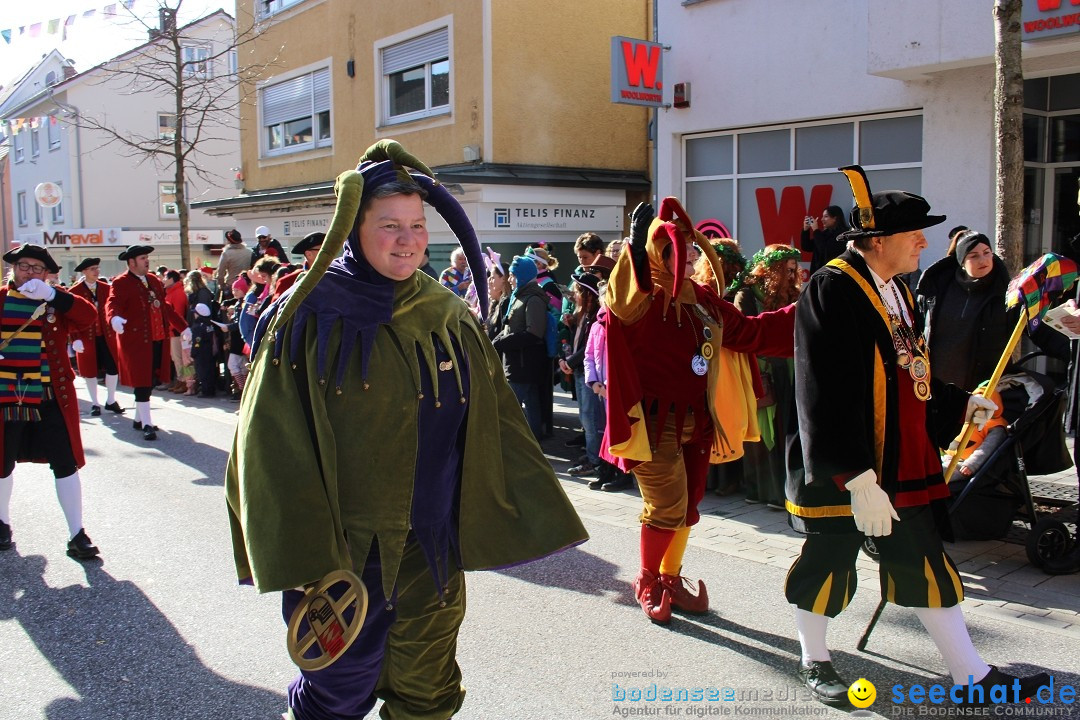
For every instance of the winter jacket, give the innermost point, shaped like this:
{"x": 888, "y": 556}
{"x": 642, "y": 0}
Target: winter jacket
{"x": 521, "y": 341}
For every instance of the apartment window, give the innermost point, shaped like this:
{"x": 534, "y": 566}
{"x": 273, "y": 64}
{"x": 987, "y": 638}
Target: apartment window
{"x": 166, "y": 127}
{"x": 35, "y": 142}
{"x": 18, "y": 145}
{"x": 21, "y": 203}
{"x": 37, "y": 213}
{"x": 416, "y": 77}
{"x": 167, "y": 201}
{"x": 196, "y": 61}
{"x": 54, "y": 133}
{"x": 296, "y": 113}
{"x": 270, "y": 7}
{"x": 58, "y": 210}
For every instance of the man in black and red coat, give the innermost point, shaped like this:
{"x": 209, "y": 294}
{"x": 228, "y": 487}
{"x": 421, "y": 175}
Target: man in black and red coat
{"x": 95, "y": 347}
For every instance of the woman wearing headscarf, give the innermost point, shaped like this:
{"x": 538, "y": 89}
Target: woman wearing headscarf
{"x": 967, "y": 324}
{"x": 379, "y": 439}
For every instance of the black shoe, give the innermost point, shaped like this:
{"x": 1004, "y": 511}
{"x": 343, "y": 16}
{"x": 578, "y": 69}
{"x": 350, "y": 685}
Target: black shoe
{"x": 823, "y": 682}
{"x": 576, "y": 441}
{"x": 95, "y": 411}
{"x": 114, "y": 407}
{"x": 598, "y": 483}
{"x": 149, "y": 432}
{"x": 5, "y": 536}
{"x": 80, "y": 547}
{"x": 623, "y": 482}
{"x": 1029, "y": 686}
{"x": 139, "y": 426}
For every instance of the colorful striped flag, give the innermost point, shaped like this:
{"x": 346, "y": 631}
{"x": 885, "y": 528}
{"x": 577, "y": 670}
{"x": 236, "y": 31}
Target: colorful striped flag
{"x": 1039, "y": 285}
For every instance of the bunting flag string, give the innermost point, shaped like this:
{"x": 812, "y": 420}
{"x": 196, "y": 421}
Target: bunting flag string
{"x": 113, "y": 11}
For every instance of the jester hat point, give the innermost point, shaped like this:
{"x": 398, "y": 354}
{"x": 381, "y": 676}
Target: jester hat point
{"x": 672, "y": 224}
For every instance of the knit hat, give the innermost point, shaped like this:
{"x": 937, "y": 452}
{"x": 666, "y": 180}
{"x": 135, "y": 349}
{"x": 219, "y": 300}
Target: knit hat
{"x": 968, "y": 241}
{"x": 523, "y": 269}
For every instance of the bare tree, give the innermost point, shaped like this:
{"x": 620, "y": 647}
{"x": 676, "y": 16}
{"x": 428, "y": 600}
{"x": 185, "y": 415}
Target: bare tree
{"x": 206, "y": 87}
{"x": 1009, "y": 133}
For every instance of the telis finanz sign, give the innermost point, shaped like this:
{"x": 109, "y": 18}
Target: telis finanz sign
{"x": 637, "y": 72}
{"x": 1049, "y": 18}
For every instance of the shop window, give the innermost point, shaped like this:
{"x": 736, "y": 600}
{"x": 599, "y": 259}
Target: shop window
{"x": 1034, "y": 138}
{"x": 416, "y": 77}
{"x": 296, "y": 113}
{"x": 1065, "y": 138}
{"x": 709, "y": 156}
{"x": 890, "y": 141}
{"x": 824, "y": 146}
{"x": 768, "y": 151}
{"x": 20, "y": 202}
{"x": 1036, "y": 93}
{"x": 169, "y": 209}
{"x": 54, "y": 133}
{"x": 710, "y": 199}
{"x": 1064, "y": 92}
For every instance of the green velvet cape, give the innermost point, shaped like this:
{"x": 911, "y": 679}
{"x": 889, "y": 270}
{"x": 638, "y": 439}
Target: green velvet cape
{"x": 311, "y": 465}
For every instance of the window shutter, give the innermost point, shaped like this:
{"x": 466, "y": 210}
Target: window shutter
{"x": 411, "y": 53}
{"x": 321, "y": 84}
{"x": 287, "y": 100}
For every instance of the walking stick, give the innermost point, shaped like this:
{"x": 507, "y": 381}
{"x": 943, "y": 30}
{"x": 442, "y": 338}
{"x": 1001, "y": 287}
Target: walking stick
{"x": 38, "y": 312}
{"x": 991, "y": 385}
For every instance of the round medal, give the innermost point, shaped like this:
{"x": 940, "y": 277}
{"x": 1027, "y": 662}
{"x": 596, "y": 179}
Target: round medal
{"x": 50, "y": 316}
{"x": 157, "y": 303}
{"x": 922, "y": 390}
{"x": 903, "y": 359}
{"x": 919, "y": 369}
{"x": 706, "y": 351}
{"x": 699, "y": 365}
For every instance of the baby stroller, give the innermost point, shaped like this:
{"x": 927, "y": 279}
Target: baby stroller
{"x": 986, "y": 504}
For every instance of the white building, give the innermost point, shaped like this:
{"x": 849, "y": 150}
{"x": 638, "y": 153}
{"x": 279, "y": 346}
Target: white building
{"x": 112, "y": 197}
{"x": 784, "y": 92}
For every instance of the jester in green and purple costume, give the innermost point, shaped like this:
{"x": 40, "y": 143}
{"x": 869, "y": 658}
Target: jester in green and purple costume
{"x": 377, "y": 434}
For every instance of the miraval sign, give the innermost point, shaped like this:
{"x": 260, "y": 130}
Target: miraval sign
{"x": 1049, "y": 18}
{"x": 637, "y": 72}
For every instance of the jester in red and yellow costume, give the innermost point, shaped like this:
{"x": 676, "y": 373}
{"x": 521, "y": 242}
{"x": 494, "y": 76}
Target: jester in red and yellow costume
{"x": 667, "y": 390}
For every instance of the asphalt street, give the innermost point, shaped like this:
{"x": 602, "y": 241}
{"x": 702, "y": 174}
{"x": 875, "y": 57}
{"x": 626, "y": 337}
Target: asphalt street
{"x": 158, "y": 628}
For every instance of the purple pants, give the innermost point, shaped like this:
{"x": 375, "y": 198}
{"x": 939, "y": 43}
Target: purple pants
{"x": 404, "y": 655}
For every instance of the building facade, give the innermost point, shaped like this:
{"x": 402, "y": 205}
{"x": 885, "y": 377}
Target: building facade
{"x": 508, "y": 103}
{"x": 111, "y": 195}
{"x": 784, "y": 92}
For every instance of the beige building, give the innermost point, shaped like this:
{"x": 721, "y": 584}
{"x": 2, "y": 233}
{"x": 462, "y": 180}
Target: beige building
{"x": 507, "y": 100}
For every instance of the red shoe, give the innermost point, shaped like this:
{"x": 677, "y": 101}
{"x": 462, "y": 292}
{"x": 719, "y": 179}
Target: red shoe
{"x": 652, "y": 597}
{"x": 682, "y": 598}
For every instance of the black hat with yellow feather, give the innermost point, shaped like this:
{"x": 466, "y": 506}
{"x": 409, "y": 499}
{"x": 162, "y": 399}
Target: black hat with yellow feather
{"x": 884, "y": 213}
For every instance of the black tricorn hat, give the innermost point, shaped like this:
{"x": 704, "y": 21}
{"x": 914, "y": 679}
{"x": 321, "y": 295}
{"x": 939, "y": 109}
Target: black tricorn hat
{"x": 32, "y": 251}
{"x": 311, "y": 241}
{"x": 884, "y": 213}
{"x": 87, "y": 263}
{"x": 134, "y": 251}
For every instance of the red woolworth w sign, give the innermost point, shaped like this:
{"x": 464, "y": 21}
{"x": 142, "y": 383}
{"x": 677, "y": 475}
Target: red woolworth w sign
{"x": 637, "y": 72}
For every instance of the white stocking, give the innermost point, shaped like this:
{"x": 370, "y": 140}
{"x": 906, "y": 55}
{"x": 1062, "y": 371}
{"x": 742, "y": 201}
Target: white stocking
{"x": 69, "y": 493}
{"x": 812, "y": 629}
{"x": 142, "y": 412}
{"x": 949, "y": 632}
{"x": 91, "y": 389}
{"x": 110, "y": 388}
{"x": 6, "y": 486}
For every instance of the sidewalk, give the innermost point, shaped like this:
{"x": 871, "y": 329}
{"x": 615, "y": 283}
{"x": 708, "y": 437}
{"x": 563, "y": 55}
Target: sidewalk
{"x": 999, "y": 581}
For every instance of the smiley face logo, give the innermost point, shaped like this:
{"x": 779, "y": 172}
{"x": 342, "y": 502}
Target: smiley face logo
{"x": 862, "y": 693}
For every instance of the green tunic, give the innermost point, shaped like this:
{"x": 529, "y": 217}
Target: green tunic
{"x": 313, "y": 464}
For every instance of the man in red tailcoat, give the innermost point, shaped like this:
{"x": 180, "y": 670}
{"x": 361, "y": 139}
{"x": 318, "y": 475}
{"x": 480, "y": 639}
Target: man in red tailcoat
{"x": 39, "y": 413}
{"x": 140, "y": 317}
{"x": 95, "y": 347}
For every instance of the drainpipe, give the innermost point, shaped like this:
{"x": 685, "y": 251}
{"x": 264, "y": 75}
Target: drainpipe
{"x": 74, "y": 111}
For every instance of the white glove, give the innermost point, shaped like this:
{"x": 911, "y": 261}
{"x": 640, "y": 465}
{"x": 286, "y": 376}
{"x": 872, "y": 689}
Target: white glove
{"x": 202, "y": 309}
{"x": 118, "y": 324}
{"x": 186, "y": 335}
{"x": 36, "y": 289}
{"x": 77, "y": 346}
{"x": 870, "y": 505}
{"x": 979, "y": 410}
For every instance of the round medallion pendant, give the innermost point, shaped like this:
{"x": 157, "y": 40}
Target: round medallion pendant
{"x": 699, "y": 365}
